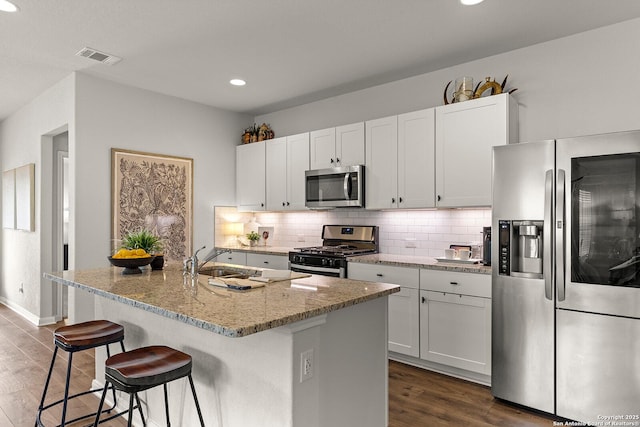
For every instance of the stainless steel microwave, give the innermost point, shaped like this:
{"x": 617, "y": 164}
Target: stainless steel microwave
{"x": 335, "y": 187}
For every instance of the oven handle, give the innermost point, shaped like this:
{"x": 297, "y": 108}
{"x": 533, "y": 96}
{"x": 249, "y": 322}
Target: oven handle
{"x": 310, "y": 269}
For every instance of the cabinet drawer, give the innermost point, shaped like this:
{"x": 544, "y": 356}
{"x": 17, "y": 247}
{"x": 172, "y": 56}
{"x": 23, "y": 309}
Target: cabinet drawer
{"x": 403, "y": 276}
{"x": 233, "y": 257}
{"x": 478, "y": 285}
{"x": 277, "y": 262}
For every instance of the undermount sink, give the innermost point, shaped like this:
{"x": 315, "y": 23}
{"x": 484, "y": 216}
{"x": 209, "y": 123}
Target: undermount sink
{"x": 225, "y": 273}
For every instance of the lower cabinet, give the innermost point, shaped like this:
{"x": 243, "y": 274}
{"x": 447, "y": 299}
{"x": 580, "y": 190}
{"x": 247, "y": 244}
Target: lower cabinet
{"x": 455, "y": 320}
{"x": 277, "y": 262}
{"x": 403, "y": 306}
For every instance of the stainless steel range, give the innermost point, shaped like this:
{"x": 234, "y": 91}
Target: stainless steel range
{"x": 338, "y": 243}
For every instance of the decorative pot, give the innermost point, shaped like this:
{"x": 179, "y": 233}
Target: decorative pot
{"x": 158, "y": 262}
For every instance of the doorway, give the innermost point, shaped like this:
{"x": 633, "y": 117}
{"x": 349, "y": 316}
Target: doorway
{"x": 60, "y": 217}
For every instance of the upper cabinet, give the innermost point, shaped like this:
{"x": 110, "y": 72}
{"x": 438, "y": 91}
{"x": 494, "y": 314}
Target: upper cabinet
{"x": 250, "y": 174}
{"x": 287, "y": 159}
{"x": 465, "y": 133}
{"x": 336, "y": 147}
{"x": 400, "y": 161}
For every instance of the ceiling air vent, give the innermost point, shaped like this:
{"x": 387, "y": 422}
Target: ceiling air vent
{"x": 96, "y": 55}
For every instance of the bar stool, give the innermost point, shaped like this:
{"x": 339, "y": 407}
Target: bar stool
{"x": 144, "y": 368}
{"x": 74, "y": 338}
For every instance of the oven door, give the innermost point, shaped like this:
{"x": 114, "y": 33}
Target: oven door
{"x": 323, "y": 271}
{"x": 335, "y": 187}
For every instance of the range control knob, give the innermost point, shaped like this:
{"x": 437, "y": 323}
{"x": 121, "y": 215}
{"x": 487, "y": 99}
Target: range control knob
{"x": 326, "y": 262}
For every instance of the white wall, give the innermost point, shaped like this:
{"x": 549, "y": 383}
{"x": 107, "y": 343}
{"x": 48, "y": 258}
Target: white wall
{"x": 110, "y": 115}
{"x": 101, "y": 115}
{"x": 578, "y": 85}
{"x": 22, "y": 138}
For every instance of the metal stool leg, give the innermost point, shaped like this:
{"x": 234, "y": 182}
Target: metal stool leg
{"x": 166, "y": 404}
{"x": 104, "y": 394}
{"x": 46, "y": 385}
{"x": 66, "y": 392}
{"x": 195, "y": 398}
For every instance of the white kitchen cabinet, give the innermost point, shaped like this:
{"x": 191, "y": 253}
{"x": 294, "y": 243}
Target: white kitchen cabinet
{"x": 403, "y": 306}
{"x": 337, "y": 147}
{"x": 250, "y": 176}
{"x": 400, "y": 161}
{"x": 233, "y": 257}
{"x": 455, "y": 319}
{"x": 381, "y": 173}
{"x": 465, "y": 133}
{"x": 416, "y": 165}
{"x": 276, "y": 262}
{"x": 287, "y": 159}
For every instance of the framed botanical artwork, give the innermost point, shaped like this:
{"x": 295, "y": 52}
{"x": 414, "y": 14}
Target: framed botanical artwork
{"x": 153, "y": 192}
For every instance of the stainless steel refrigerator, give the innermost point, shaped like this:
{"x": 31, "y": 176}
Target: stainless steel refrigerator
{"x": 565, "y": 276}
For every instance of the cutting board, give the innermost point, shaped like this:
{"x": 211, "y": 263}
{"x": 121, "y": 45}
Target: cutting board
{"x": 256, "y": 282}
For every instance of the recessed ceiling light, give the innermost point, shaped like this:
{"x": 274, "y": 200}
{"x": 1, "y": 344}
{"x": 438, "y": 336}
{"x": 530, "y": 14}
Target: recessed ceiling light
{"x": 237, "y": 82}
{"x": 470, "y": 2}
{"x": 7, "y": 6}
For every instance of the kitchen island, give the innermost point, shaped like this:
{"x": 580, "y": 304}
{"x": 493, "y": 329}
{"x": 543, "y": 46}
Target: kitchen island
{"x": 248, "y": 346}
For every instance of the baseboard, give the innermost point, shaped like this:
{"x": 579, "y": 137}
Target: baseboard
{"x": 38, "y": 321}
{"x": 442, "y": 369}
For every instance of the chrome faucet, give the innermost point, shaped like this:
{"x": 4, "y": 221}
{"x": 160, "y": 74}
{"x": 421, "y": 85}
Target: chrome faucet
{"x": 212, "y": 255}
{"x": 190, "y": 265}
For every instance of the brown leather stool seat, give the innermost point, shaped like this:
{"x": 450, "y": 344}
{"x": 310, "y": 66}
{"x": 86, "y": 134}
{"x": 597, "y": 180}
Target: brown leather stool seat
{"x": 74, "y": 338}
{"x": 144, "y": 368}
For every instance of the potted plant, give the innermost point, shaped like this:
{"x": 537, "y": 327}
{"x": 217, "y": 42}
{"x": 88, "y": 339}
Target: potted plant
{"x": 253, "y": 238}
{"x": 147, "y": 241}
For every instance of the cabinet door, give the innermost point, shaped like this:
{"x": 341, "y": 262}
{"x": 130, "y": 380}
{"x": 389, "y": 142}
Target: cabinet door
{"x": 416, "y": 163}
{"x": 404, "y": 322}
{"x": 404, "y": 306}
{"x": 276, "y": 174}
{"x": 381, "y": 173}
{"x": 350, "y": 144}
{"x": 465, "y": 133}
{"x": 276, "y": 262}
{"x": 250, "y": 177}
{"x": 455, "y": 330}
{"x": 323, "y": 149}
{"x": 297, "y": 164}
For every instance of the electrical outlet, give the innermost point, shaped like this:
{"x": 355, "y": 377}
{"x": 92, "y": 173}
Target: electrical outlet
{"x": 306, "y": 365}
{"x": 409, "y": 242}
{"x": 21, "y": 290}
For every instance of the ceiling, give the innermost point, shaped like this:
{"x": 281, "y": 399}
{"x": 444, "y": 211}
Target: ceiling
{"x": 290, "y": 51}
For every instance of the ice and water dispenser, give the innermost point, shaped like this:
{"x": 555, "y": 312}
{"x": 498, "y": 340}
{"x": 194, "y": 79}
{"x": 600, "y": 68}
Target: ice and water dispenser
{"x": 520, "y": 248}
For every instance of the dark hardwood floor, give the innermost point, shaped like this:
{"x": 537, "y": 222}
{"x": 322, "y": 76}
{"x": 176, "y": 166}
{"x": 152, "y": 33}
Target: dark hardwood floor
{"x": 416, "y": 397}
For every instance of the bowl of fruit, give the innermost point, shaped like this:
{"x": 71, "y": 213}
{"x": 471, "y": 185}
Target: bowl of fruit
{"x": 136, "y": 251}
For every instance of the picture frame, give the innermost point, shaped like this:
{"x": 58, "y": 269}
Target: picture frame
{"x": 153, "y": 192}
{"x": 266, "y": 234}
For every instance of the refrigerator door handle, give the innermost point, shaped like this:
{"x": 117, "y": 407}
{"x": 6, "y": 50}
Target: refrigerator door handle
{"x": 560, "y": 235}
{"x": 547, "y": 235}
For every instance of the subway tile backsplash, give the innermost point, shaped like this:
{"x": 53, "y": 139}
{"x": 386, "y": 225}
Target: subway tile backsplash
{"x": 430, "y": 231}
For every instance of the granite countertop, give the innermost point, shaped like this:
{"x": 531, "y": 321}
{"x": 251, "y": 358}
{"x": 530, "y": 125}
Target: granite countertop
{"x": 223, "y": 311}
{"x": 420, "y": 262}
